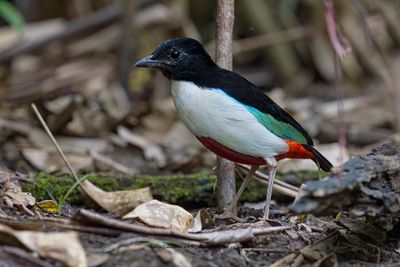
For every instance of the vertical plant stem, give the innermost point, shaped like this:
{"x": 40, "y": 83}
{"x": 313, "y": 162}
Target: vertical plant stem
{"x": 341, "y": 47}
{"x": 225, "y": 188}
{"x": 50, "y": 134}
{"x": 127, "y": 44}
{"x": 341, "y": 122}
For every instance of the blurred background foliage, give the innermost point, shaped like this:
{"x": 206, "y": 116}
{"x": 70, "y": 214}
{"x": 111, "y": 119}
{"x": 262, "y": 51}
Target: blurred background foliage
{"x": 74, "y": 60}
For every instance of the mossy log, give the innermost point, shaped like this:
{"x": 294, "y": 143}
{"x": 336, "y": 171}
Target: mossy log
{"x": 189, "y": 190}
{"x": 193, "y": 190}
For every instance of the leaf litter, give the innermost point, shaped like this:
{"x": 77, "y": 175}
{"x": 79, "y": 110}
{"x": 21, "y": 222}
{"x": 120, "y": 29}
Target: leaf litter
{"x": 91, "y": 107}
{"x": 325, "y": 238}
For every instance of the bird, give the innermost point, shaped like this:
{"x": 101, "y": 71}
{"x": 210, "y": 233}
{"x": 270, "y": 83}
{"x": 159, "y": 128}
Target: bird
{"x": 228, "y": 114}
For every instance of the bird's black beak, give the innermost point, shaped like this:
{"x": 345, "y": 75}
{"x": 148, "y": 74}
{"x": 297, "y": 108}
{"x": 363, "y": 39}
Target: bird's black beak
{"x": 149, "y": 62}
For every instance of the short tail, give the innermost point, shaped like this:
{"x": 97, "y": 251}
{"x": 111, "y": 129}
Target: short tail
{"x": 319, "y": 159}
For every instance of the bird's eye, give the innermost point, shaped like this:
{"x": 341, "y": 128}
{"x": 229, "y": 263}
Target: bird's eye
{"x": 174, "y": 54}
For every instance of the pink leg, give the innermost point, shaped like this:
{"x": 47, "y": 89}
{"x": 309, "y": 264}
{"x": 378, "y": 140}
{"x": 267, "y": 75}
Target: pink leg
{"x": 272, "y": 165}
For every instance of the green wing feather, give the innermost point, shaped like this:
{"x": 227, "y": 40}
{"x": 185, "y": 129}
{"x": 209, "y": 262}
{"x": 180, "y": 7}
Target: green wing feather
{"x": 279, "y": 128}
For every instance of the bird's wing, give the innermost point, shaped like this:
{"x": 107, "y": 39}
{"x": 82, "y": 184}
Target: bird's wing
{"x": 282, "y": 129}
{"x": 267, "y": 112}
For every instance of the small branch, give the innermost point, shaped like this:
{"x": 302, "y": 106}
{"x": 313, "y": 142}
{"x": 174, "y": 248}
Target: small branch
{"x": 225, "y": 187}
{"x": 340, "y": 44}
{"x": 339, "y": 99}
{"x": 225, "y": 20}
{"x": 279, "y": 186}
{"x": 341, "y": 47}
{"x": 91, "y": 217}
{"x": 209, "y": 238}
{"x": 56, "y": 223}
{"x": 50, "y": 134}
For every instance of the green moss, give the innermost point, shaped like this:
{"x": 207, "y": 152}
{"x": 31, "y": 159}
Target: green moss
{"x": 178, "y": 188}
{"x": 195, "y": 188}
{"x": 54, "y": 187}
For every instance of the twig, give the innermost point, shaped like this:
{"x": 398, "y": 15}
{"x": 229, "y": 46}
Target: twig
{"x": 268, "y": 230}
{"x": 44, "y": 124}
{"x": 279, "y": 186}
{"x": 55, "y": 223}
{"x": 141, "y": 239}
{"x": 340, "y": 44}
{"x": 225, "y": 186}
{"x": 341, "y": 123}
{"x": 89, "y": 216}
{"x": 211, "y": 238}
{"x": 341, "y": 47}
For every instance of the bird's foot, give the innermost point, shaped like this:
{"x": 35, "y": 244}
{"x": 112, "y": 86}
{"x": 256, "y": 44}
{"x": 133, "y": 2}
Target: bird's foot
{"x": 227, "y": 214}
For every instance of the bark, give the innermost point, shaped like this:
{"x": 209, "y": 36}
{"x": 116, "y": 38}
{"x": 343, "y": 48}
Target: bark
{"x": 225, "y": 188}
{"x": 368, "y": 187}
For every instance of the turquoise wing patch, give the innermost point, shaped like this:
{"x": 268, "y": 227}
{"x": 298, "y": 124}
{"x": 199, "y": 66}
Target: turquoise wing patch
{"x": 279, "y": 128}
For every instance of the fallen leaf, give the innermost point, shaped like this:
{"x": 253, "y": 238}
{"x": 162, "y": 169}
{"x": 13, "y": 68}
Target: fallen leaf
{"x": 69, "y": 251}
{"x": 118, "y": 202}
{"x": 174, "y": 256}
{"x": 321, "y": 253}
{"x": 18, "y": 198}
{"x": 11, "y": 193}
{"x": 201, "y": 221}
{"x": 97, "y": 259}
{"x": 159, "y": 214}
{"x": 196, "y": 225}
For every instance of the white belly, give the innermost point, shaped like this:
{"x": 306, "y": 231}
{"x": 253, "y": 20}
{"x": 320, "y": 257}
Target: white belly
{"x": 212, "y": 113}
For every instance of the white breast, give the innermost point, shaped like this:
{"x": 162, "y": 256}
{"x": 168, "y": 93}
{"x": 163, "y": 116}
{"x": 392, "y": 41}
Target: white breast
{"x": 212, "y": 113}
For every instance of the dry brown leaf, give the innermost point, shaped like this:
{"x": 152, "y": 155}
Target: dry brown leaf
{"x": 197, "y": 225}
{"x": 118, "y": 202}
{"x": 174, "y": 256}
{"x": 69, "y": 251}
{"x": 11, "y": 193}
{"x": 159, "y": 214}
{"x": 18, "y": 199}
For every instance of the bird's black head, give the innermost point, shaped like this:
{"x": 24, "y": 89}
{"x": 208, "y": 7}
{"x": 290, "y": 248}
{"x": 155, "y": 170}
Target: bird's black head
{"x": 179, "y": 59}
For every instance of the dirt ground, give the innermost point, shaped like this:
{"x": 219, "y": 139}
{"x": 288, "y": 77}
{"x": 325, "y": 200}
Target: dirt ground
{"x": 329, "y": 243}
